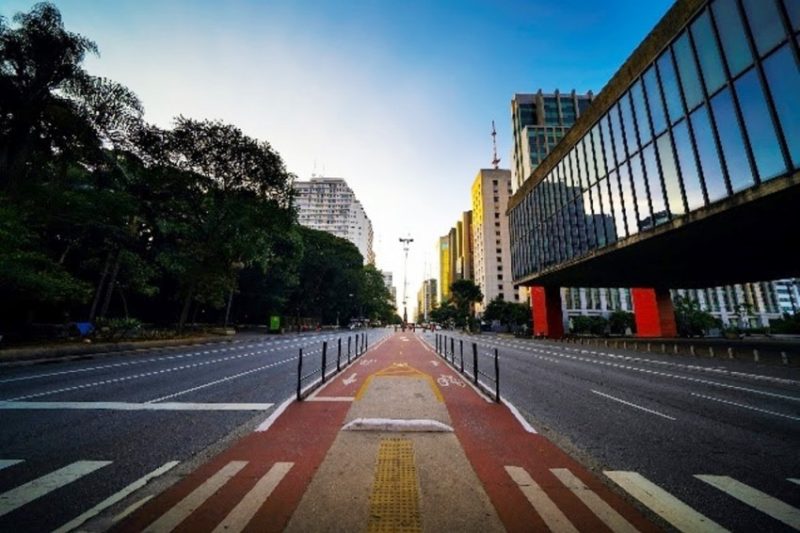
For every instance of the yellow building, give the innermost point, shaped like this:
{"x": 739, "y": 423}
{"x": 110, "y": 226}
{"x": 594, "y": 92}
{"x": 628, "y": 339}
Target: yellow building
{"x": 445, "y": 271}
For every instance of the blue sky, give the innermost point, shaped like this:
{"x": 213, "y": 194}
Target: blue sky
{"x": 395, "y": 97}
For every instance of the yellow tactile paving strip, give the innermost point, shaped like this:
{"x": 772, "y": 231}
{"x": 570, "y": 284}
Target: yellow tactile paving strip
{"x": 394, "y": 503}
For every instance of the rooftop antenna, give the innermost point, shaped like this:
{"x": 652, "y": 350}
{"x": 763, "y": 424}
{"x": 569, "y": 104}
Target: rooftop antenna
{"x": 496, "y": 160}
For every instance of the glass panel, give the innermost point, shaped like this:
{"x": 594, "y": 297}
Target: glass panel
{"x": 793, "y": 8}
{"x": 591, "y": 237}
{"x": 644, "y": 214}
{"x": 758, "y": 123}
{"x": 640, "y": 112}
{"x": 616, "y": 130}
{"x": 599, "y": 216}
{"x": 598, "y": 151}
{"x": 586, "y": 142}
{"x": 669, "y": 82}
{"x": 654, "y": 101}
{"x": 730, "y": 137}
{"x": 691, "y": 177}
{"x": 654, "y": 185}
{"x": 687, "y": 68}
{"x": 707, "y": 152}
{"x": 608, "y": 213}
{"x": 616, "y": 202}
{"x": 608, "y": 145}
{"x": 628, "y": 200}
{"x": 708, "y": 53}
{"x": 670, "y": 172}
{"x": 783, "y": 79}
{"x": 627, "y": 123}
{"x": 731, "y": 33}
{"x": 765, "y": 23}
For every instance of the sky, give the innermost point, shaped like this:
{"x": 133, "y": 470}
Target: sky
{"x": 397, "y": 98}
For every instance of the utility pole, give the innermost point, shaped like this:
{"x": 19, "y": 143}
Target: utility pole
{"x": 406, "y": 244}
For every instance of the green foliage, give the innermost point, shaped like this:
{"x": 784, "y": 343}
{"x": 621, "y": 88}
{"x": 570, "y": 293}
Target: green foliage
{"x": 114, "y": 329}
{"x": 445, "y": 314}
{"x": 593, "y": 325}
{"x": 621, "y": 321}
{"x": 691, "y": 319}
{"x": 465, "y": 293}
{"x": 787, "y": 324}
{"x": 509, "y": 314}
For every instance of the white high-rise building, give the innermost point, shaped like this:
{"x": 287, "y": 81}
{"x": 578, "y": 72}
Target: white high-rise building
{"x": 329, "y": 204}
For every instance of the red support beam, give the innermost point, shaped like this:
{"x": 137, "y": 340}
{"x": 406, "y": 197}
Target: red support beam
{"x": 655, "y": 316}
{"x": 548, "y": 319}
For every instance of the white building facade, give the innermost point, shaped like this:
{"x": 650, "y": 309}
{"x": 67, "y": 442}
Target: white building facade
{"x": 329, "y": 204}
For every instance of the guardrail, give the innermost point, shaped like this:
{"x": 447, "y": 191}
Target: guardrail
{"x": 357, "y": 345}
{"x": 477, "y": 370}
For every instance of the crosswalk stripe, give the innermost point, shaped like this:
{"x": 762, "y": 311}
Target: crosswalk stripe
{"x": 5, "y": 463}
{"x": 600, "y": 508}
{"x": 16, "y": 498}
{"x": 755, "y": 498}
{"x": 541, "y": 502}
{"x": 793, "y": 480}
{"x": 172, "y": 518}
{"x": 664, "y": 504}
{"x": 114, "y": 498}
{"x": 244, "y": 511}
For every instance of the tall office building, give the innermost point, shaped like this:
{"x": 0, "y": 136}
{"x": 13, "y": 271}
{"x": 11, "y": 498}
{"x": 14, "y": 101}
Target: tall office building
{"x": 445, "y": 272}
{"x": 329, "y": 204}
{"x": 540, "y": 121}
{"x": 388, "y": 280}
{"x": 492, "y": 259}
{"x": 466, "y": 256}
{"x": 426, "y": 299}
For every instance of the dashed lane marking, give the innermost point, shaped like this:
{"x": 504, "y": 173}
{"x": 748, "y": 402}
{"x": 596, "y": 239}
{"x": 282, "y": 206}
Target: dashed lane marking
{"x": 630, "y": 404}
{"x": 590, "y": 499}
{"x": 541, "y": 502}
{"x": 744, "y": 406}
{"x": 117, "y": 497}
{"x": 244, "y": 511}
{"x": 16, "y": 498}
{"x": 172, "y": 518}
{"x": 5, "y": 463}
{"x": 664, "y": 504}
{"x": 755, "y": 498}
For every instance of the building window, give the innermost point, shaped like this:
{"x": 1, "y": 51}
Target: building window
{"x": 783, "y": 79}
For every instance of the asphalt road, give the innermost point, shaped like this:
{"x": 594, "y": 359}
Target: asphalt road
{"x": 73, "y": 434}
{"x": 665, "y": 418}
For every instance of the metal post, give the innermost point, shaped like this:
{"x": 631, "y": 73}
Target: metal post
{"x": 496, "y": 377}
{"x": 299, "y": 373}
{"x": 356, "y": 346}
{"x": 349, "y": 342}
{"x": 324, "y": 358}
{"x": 461, "y": 350}
{"x": 338, "y": 354}
{"x": 364, "y": 343}
{"x": 475, "y": 363}
{"x": 453, "y": 350}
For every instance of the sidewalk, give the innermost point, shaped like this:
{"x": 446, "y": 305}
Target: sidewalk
{"x": 397, "y": 442}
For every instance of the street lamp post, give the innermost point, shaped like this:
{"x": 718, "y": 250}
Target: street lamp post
{"x": 406, "y": 244}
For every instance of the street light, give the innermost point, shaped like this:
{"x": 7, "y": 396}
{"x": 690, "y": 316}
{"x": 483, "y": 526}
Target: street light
{"x": 406, "y": 244}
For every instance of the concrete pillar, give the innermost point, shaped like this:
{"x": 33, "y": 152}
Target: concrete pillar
{"x": 547, "y": 316}
{"x": 654, "y": 314}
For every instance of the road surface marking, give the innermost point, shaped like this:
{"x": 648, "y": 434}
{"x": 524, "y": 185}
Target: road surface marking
{"x": 244, "y": 511}
{"x": 330, "y": 399}
{"x": 131, "y": 508}
{"x": 645, "y": 409}
{"x": 664, "y": 504}
{"x": 514, "y": 411}
{"x": 119, "y": 496}
{"x": 541, "y": 502}
{"x": 125, "y": 406}
{"x": 793, "y": 480}
{"x": 266, "y": 424}
{"x": 394, "y": 501}
{"x": 350, "y": 380}
{"x": 16, "y": 498}
{"x": 5, "y": 463}
{"x": 600, "y": 508}
{"x": 172, "y": 518}
{"x": 755, "y": 498}
{"x": 743, "y": 406}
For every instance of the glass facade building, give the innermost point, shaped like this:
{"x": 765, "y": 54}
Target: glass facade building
{"x": 716, "y": 112}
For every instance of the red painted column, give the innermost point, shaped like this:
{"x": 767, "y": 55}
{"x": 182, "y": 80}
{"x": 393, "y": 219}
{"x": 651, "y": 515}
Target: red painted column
{"x": 654, "y": 314}
{"x": 548, "y": 320}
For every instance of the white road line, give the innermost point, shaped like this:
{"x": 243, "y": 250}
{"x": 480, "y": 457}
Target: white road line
{"x": 331, "y": 399}
{"x": 114, "y": 498}
{"x": 131, "y": 508}
{"x": 603, "y": 511}
{"x": 172, "y": 518}
{"x": 541, "y": 502}
{"x": 755, "y": 498}
{"x": 125, "y": 406}
{"x": 244, "y": 511}
{"x": 266, "y": 424}
{"x": 793, "y": 480}
{"x": 743, "y": 406}
{"x": 16, "y": 498}
{"x": 5, "y": 463}
{"x": 664, "y": 504}
{"x": 514, "y": 411}
{"x": 645, "y": 409}
{"x": 222, "y": 380}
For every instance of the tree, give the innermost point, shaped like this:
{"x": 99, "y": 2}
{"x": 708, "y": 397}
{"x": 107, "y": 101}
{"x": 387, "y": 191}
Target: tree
{"x": 691, "y": 319}
{"x": 621, "y": 321}
{"x": 444, "y": 314}
{"x": 509, "y": 314}
{"x": 465, "y": 293}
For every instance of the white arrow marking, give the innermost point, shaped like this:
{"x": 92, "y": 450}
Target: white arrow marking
{"x": 435, "y": 363}
{"x": 350, "y": 380}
